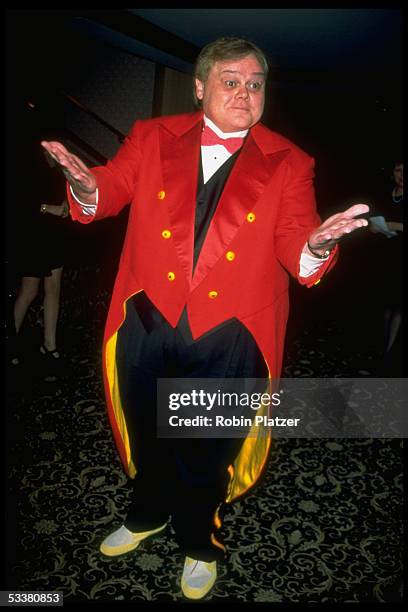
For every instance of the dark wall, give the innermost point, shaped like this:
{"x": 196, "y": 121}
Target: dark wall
{"x": 352, "y": 128}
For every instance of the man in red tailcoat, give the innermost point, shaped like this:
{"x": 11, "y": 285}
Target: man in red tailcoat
{"x": 222, "y": 210}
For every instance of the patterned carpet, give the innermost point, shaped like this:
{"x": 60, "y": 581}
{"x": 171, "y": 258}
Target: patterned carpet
{"x": 324, "y": 525}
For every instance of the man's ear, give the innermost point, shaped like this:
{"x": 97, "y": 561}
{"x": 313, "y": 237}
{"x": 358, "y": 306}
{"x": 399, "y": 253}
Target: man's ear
{"x": 199, "y": 89}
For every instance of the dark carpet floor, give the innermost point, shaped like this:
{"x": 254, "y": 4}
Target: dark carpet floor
{"x": 324, "y": 525}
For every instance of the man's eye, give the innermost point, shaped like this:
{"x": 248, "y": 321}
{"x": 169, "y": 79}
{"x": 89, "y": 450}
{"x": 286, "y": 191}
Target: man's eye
{"x": 255, "y": 86}
{"x": 230, "y": 84}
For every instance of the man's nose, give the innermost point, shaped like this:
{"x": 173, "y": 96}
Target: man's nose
{"x": 242, "y": 91}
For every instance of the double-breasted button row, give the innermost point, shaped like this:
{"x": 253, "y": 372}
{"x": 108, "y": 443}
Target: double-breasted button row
{"x": 229, "y": 256}
{"x": 211, "y": 294}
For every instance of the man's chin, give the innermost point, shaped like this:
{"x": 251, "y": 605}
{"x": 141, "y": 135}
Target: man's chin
{"x": 238, "y": 124}
{"x": 242, "y": 118}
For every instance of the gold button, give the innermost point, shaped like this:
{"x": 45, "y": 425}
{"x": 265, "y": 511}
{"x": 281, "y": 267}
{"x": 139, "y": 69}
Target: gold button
{"x": 230, "y": 255}
{"x": 161, "y": 195}
{"x": 171, "y": 276}
{"x": 251, "y": 217}
{"x": 166, "y": 233}
{"x": 212, "y": 294}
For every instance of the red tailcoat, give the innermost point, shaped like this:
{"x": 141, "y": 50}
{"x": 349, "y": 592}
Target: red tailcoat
{"x": 263, "y": 219}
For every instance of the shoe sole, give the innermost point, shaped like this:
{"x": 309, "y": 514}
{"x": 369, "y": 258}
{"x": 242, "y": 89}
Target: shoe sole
{"x": 192, "y": 593}
{"x": 114, "y": 551}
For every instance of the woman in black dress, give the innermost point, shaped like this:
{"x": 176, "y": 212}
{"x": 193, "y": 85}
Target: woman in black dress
{"x": 387, "y": 222}
{"x": 37, "y": 234}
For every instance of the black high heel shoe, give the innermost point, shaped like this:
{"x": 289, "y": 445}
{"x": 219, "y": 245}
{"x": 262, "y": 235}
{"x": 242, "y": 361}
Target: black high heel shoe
{"x": 52, "y": 363}
{"x": 14, "y": 351}
{"x": 54, "y": 354}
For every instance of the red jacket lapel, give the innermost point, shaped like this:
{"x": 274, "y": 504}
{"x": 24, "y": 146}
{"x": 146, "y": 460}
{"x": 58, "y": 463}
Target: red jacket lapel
{"x": 180, "y": 155}
{"x": 246, "y": 183}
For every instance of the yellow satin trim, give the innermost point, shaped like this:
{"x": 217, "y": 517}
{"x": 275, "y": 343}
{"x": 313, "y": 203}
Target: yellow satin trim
{"x": 217, "y": 543}
{"x": 112, "y": 374}
{"x": 113, "y": 383}
{"x": 251, "y": 458}
{"x": 217, "y": 520}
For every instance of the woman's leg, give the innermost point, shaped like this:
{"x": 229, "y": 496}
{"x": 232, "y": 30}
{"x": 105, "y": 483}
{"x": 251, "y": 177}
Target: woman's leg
{"x": 394, "y": 325}
{"x": 52, "y": 288}
{"x": 27, "y": 292}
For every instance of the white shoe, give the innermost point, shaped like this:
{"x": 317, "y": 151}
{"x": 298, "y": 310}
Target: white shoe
{"x": 198, "y": 578}
{"x": 122, "y": 540}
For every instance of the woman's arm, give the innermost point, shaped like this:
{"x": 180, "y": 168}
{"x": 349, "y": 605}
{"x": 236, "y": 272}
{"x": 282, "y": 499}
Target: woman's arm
{"x": 61, "y": 210}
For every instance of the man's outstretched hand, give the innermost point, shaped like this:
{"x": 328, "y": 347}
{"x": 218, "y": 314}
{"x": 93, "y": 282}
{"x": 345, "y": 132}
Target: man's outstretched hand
{"x": 329, "y": 233}
{"x": 77, "y": 174}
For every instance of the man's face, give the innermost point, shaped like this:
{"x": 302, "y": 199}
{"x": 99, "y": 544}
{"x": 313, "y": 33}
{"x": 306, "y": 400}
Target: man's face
{"x": 234, "y": 94}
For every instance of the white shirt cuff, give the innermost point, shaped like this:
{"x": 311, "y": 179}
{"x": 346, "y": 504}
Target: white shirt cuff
{"x": 87, "y": 209}
{"x": 310, "y": 264}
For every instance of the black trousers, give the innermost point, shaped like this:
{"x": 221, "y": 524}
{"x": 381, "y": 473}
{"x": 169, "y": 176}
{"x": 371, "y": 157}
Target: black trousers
{"x": 186, "y": 479}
